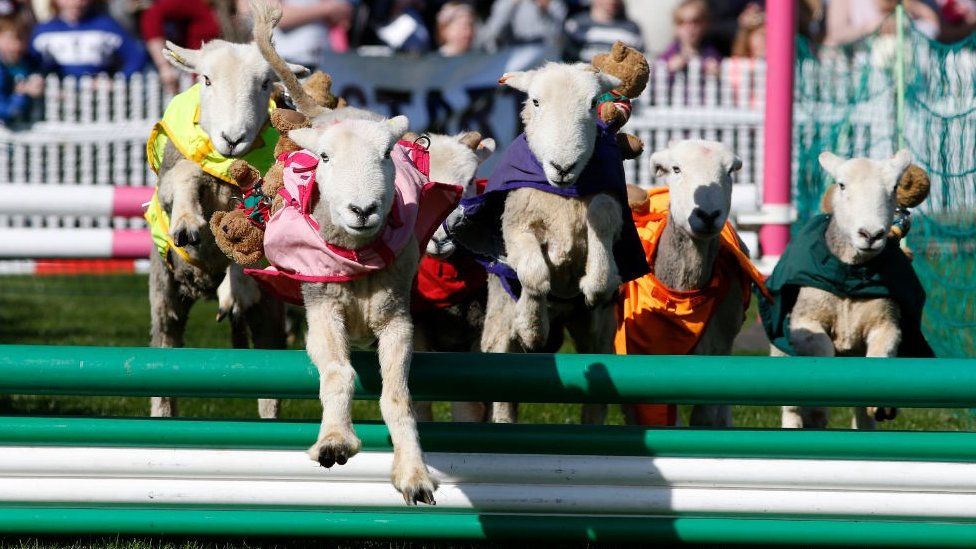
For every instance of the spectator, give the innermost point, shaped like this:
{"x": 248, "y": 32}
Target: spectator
{"x": 456, "y": 28}
{"x": 958, "y": 19}
{"x": 195, "y": 22}
{"x": 399, "y": 24}
{"x": 518, "y": 22}
{"x": 690, "y": 22}
{"x": 82, "y": 39}
{"x": 750, "y": 40}
{"x": 725, "y": 18}
{"x": 851, "y": 20}
{"x": 16, "y": 8}
{"x": 17, "y": 85}
{"x": 310, "y": 27}
{"x": 595, "y": 31}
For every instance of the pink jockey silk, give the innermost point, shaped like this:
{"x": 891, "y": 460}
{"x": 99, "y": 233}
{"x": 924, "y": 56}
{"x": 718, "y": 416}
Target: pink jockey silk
{"x": 298, "y": 253}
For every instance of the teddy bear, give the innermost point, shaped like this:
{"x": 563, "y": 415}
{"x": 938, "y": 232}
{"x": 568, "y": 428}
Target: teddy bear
{"x": 614, "y": 107}
{"x": 240, "y": 232}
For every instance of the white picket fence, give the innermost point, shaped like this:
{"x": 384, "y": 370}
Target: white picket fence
{"x": 92, "y": 131}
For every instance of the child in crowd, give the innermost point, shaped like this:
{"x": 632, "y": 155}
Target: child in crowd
{"x": 17, "y": 85}
{"x": 750, "y": 39}
{"x": 690, "y": 24}
{"x": 595, "y": 31}
{"x": 456, "y": 28}
{"x": 83, "y": 39}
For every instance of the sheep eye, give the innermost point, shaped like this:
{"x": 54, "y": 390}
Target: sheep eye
{"x": 324, "y": 157}
{"x": 841, "y": 185}
{"x": 593, "y": 104}
{"x": 206, "y": 80}
{"x": 265, "y": 84}
{"x": 535, "y": 102}
{"x": 675, "y": 169}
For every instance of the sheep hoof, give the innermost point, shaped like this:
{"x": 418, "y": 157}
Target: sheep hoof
{"x": 416, "y": 485}
{"x": 883, "y": 413}
{"x": 333, "y": 450}
{"x": 421, "y": 496}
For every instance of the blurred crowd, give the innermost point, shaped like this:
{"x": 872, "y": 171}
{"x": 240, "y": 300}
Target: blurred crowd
{"x": 78, "y": 37}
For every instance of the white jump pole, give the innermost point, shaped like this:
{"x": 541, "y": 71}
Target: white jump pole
{"x": 33, "y": 243}
{"x": 78, "y": 200}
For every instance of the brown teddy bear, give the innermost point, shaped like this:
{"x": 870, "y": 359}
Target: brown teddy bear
{"x": 240, "y": 232}
{"x": 631, "y": 67}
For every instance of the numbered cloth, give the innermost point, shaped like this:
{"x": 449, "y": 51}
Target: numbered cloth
{"x": 479, "y": 227}
{"x": 297, "y": 252}
{"x": 808, "y": 262}
{"x": 653, "y": 319}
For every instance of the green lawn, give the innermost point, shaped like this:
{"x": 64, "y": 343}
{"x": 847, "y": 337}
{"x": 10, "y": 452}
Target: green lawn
{"x": 113, "y": 310}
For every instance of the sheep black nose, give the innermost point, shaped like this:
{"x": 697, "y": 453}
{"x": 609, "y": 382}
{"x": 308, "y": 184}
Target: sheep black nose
{"x": 707, "y": 218}
{"x": 232, "y": 142}
{"x": 563, "y": 170}
{"x": 364, "y": 211}
{"x": 871, "y": 236}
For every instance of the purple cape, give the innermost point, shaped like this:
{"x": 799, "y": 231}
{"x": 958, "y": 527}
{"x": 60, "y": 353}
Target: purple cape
{"x": 480, "y": 228}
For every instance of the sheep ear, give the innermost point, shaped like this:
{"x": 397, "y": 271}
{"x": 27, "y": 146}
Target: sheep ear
{"x": 661, "y": 162}
{"x": 830, "y": 162}
{"x": 298, "y": 70}
{"x": 181, "y": 58}
{"x": 900, "y": 161}
{"x": 398, "y": 126}
{"x": 519, "y": 80}
{"x": 485, "y": 149}
{"x": 306, "y": 138}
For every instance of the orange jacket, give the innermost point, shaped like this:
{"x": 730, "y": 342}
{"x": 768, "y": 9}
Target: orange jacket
{"x": 654, "y": 319}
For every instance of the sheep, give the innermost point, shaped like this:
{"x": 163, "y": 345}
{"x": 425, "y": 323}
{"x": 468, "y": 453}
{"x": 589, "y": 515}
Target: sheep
{"x": 454, "y": 326}
{"x": 235, "y": 88}
{"x": 561, "y": 232}
{"x": 851, "y": 241}
{"x": 697, "y": 261}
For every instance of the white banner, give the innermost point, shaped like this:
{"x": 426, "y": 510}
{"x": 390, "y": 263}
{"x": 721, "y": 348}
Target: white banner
{"x": 438, "y": 94}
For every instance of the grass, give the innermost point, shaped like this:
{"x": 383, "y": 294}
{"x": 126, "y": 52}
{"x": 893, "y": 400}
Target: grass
{"x": 113, "y": 311}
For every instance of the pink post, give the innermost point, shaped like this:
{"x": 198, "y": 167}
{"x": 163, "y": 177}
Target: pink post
{"x": 777, "y": 188}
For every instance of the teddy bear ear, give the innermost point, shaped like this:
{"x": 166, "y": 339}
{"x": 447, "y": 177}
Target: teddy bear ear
{"x": 619, "y": 51}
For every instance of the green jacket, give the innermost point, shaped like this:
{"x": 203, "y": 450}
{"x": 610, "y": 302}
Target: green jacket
{"x": 808, "y": 262}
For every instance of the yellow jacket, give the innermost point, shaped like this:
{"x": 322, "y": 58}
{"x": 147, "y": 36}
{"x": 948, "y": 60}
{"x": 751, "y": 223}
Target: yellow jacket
{"x": 181, "y": 126}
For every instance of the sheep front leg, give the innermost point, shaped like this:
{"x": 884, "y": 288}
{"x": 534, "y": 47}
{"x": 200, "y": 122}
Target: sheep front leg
{"x": 882, "y": 342}
{"x": 603, "y": 223}
{"x": 531, "y": 322}
{"x": 410, "y": 476}
{"x": 809, "y": 338}
{"x": 329, "y": 351}
{"x": 169, "y": 311}
{"x": 182, "y": 182}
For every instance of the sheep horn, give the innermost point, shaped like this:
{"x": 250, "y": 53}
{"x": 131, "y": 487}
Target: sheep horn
{"x": 471, "y": 140}
{"x": 266, "y": 18}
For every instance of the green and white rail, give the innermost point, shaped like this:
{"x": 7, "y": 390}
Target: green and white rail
{"x": 551, "y": 482}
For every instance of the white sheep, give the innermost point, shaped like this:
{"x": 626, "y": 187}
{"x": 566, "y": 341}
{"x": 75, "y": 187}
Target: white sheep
{"x": 560, "y": 247}
{"x": 854, "y": 238}
{"x": 694, "y": 254}
{"x": 235, "y": 88}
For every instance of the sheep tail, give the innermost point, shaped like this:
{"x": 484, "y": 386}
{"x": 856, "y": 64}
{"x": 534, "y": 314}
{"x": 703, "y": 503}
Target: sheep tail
{"x": 266, "y": 18}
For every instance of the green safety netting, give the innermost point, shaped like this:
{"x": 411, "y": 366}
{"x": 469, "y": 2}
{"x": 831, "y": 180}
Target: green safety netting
{"x": 847, "y": 101}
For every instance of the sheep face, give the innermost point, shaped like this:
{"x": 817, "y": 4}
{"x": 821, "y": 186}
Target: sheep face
{"x": 699, "y": 178}
{"x": 560, "y": 115}
{"x": 235, "y": 86}
{"x": 454, "y": 159}
{"x": 865, "y": 197}
{"x": 355, "y": 174}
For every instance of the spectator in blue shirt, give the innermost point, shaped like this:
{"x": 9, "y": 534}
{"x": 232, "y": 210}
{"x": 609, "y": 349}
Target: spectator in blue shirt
{"x": 83, "y": 39}
{"x": 17, "y": 83}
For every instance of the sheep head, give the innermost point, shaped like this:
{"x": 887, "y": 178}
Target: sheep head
{"x": 355, "y": 174}
{"x": 699, "y": 178}
{"x": 235, "y": 86}
{"x": 560, "y": 115}
{"x": 865, "y": 198}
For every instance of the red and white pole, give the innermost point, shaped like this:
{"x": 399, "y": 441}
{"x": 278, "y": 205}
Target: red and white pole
{"x": 777, "y": 187}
